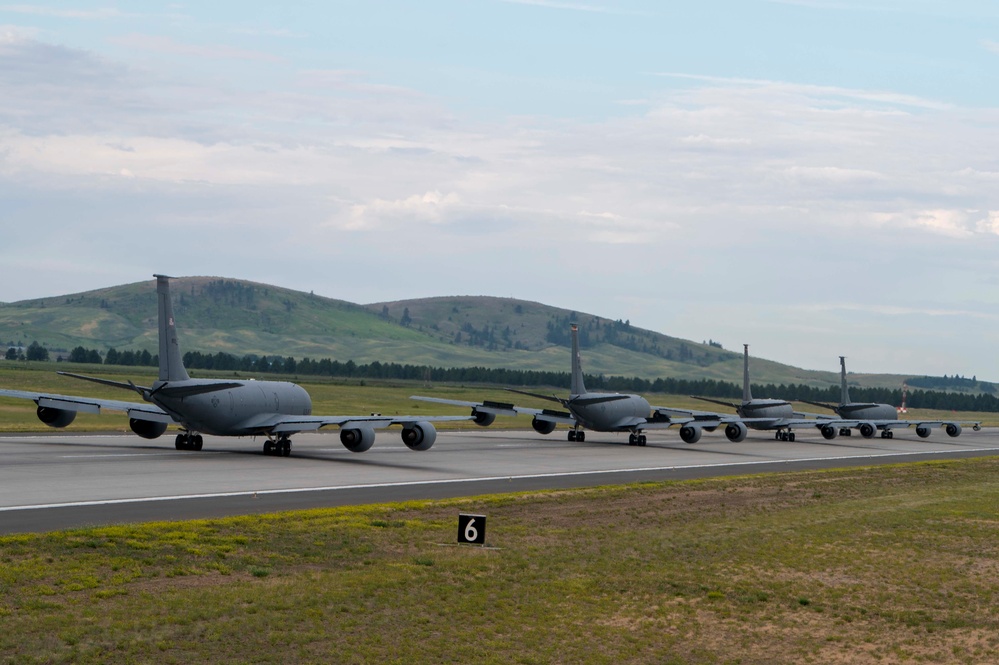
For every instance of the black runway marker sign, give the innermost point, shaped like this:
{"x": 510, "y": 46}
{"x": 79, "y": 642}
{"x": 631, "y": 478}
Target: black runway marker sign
{"x": 472, "y": 529}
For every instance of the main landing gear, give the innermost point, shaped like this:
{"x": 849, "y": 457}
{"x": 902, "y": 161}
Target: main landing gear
{"x": 189, "y": 441}
{"x": 887, "y": 434}
{"x": 577, "y": 435}
{"x": 636, "y": 439}
{"x": 281, "y": 447}
{"x": 784, "y": 435}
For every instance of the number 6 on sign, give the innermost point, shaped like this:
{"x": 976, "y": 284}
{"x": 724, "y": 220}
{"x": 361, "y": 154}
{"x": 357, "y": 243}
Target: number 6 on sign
{"x": 472, "y": 529}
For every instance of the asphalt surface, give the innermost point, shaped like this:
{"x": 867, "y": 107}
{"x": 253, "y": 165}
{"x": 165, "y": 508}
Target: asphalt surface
{"x": 57, "y": 481}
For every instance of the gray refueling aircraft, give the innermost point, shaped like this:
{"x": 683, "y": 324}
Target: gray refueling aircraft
{"x": 763, "y": 414}
{"x": 869, "y": 417}
{"x": 275, "y": 409}
{"x": 601, "y": 412}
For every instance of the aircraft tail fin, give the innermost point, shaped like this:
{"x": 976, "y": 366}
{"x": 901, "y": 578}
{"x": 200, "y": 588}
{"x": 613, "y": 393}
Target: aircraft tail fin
{"x": 171, "y": 363}
{"x": 576, "y": 386}
{"x": 746, "y": 394}
{"x": 844, "y": 392}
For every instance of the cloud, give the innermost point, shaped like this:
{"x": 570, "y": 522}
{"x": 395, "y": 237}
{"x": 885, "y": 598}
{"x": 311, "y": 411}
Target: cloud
{"x": 431, "y": 207}
{"x": 576, "y": 7}
{"x": 954, "y": 223}
{"x": 160, "y": 44}
{"x": 828, "y": 93}
{"x": 90, "y": 14}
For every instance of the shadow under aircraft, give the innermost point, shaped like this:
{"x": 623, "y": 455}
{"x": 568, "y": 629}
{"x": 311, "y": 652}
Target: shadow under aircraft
{"x": 273, "y": 409}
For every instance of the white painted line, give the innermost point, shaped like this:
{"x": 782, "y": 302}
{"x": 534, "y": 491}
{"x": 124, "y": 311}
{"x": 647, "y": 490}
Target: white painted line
{"x": 167, "y": 454}
{"x": 481, "y": 479}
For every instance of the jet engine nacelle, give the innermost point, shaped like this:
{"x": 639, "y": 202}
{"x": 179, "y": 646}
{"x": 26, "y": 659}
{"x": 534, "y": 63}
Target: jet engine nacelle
{"x": 867, "y": 430}
{"x": 543, "y": 426}
{"x": 923, "y": 431}
{"x": 357, "y": 440}
{"x": 828, "y": 432}
{"x": 55, "y": 417}
{"x": 147, "y": 429}
{"x": 953, "y": 429}
{"x": 419, "y": 436}
{"x": 690, "y": 433}
{"x": 483, "y": 419}
{"x": 735, "y": 432}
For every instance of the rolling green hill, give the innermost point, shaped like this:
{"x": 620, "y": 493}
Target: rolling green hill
{"x": 240, "y": 317}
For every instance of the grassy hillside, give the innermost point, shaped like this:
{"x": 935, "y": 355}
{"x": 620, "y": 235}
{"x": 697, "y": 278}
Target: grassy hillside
{"x": 240, "y": 317}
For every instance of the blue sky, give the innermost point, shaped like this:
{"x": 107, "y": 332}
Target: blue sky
{"x": 815, "y": 178}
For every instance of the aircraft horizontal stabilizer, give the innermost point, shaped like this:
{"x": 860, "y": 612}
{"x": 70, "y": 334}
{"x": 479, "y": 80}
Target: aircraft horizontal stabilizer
{"x": 598, "y": 399}
{"x": 107, "y": 382}
{"x": 824, "y": 405}
{"x": 550, "y": 398}
{"x": 716, "y": 401}
{"x": 196, "y": 389}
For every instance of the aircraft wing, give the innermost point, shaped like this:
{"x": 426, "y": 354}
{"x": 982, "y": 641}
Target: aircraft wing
{"x": 891, "y": 424}
{"x": 495, "y": 408}
{"x": 279, "y": 424}
{"x": 136, "y": 410}
{"x": 503, "y": 409}
{"x": 706, "y": 418}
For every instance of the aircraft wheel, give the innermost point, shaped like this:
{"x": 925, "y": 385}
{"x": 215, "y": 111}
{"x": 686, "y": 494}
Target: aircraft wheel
{"x": 268, "y": 447}
{"x": 180, "y": 442}
{"x": 572, "y": 435}
{"x": 580, "y": 436}
{"x": 197, "y": 442}
{"x": 632, "y": 439}
{"x": 286, "y": 447}
{"x": 790, "y": 437}
{"x": 642, "y": 440}
{"x": 777, "y": 435}
{"x": 891, "y": 434}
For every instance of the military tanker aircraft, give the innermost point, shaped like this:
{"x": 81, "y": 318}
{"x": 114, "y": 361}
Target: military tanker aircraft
{"x": 273, "y": 409}
{"x": 869, "y": 417}
{"x": 766, "y": 414}
{"x": 603, "y": 412}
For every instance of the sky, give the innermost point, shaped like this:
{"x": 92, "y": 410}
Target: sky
{"x": 815, "y": 178}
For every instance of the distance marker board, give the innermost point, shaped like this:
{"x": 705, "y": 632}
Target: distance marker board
{"x": 472, "y": 529}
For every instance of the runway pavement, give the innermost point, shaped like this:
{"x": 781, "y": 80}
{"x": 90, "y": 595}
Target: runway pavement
{"x": 59, "y": 480}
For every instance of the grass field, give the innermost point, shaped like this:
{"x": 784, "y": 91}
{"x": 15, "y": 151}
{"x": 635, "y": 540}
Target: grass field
{"x": 877, "y": 565}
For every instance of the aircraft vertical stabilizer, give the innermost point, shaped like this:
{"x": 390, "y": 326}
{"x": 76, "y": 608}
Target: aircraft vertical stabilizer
{"x": 576, "y": 386}
{"x": 844, "y": 397}
{"x": 746, "y": 394}
{"x": 171, "y": 363}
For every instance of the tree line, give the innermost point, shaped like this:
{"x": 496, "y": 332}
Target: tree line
{"x": 222, "y": 361}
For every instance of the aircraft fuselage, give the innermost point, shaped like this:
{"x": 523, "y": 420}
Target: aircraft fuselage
{"x": 867, "y": 412}
{"x": 233, "y": 411}
{"x": 605, "y": 416}
{"x": 776, "y": 409}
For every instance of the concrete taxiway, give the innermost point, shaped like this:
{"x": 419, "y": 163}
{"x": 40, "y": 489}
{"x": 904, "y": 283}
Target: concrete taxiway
{"x": 56, "y": 481}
